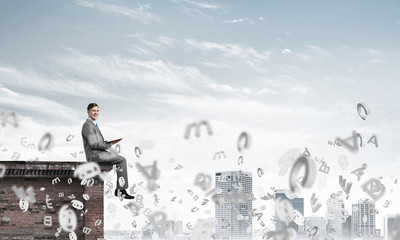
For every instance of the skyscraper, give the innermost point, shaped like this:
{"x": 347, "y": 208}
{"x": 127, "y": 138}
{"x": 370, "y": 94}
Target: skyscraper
{"x": 319, "y": 222}
{"x": 363, "y": 219}
{"x": 233, "y": 215}
{"x": 336, "y": 222}
{"x": 297, "y": 204}
{"x": 346, "y": 233}
{"x": 392, "y": 224}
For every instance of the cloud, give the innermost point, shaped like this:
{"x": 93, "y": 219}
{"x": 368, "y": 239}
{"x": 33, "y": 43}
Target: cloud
{"x": 221, "y": 88}
{"x": 312, "y": 53}
{"x": 372, "y": 52}
{"x": 286, "y": 51}
{"x": 161, "y": 43}
{"x": 246, "y": 54}
{"x": 139, "y": 13}
{"x": 202, "y": 5}
{"x": 122, "y": 72}
{"x": 30, "y": 103}
{"x": 215, "y": 65}
{"x": 240, "y": 20}
{"x": 285, "y": 84}
{"x": 54, "y": 84}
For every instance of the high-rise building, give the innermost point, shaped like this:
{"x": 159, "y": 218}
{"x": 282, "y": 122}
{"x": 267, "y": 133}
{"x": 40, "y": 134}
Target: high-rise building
{"x": 233, "y": 214}
{"x": 346, "y": 226}
{"x": 336, "y": 222}
{"x": 297, "y": 204}
{"x": 176, "y": 227}
{"x": 319, "y": 222}
{"x": 391, "y": 226}
{"x": 363, "y": 219}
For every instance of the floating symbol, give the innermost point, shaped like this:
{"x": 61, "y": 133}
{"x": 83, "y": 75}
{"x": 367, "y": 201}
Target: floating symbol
{"x": 86, "y": 230}
{"x": 205, "y": 201}
{"x": 197, "y": 126}
{"x": 203, "y": 181}
{"x": 365, "y": 108}
{"x": 46, "y": 142}
{"x": 240, "y": 160}
{"x": 67, "y": 219}
{"x": 178, "y": 167}
{"x": 23, "y": 205}
{"x": 138, "y": 151}
{"x": 342, "y": 183}
{"x": 77, "y": 204}
{"x": 28, "y": 195}
{"x": 98, "y": 222}
{"x": 314, "y": 205}
{"x": 355, "y": 137}
{"x": 309, "y": 175}
{"x": 286, "y": 234}
{"x": 247, "y": 141}
{"x": 260, "y": 172}
{"x": 343, "y": 162}
{"x": 16, "y": 156}
{"x": 5, "y": 116}
{"x": 70, "y": 137}
{"x": 386, "y": 204}
{"x": 374, "y": 188}
{"x": 218, "y": 154}
{"x": 189, "y": 226}
{"x": 365, "y": 219}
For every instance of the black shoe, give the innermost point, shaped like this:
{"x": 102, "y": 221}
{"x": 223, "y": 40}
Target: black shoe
{"x": 123, "y": 193}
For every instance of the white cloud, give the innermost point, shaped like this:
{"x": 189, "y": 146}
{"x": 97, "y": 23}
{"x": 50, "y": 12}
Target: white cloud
{"x": 27, "y": 102}
{"x": 121, "y": 71}
{"x": 287, "y": 85}
{"x": 240, "y": 20}
{"x": 162, "y": 42}
{"x": 198, "y": 4}
{"x": 53, "y": 84}
{"x": 372, "y": 52}
{"x": 246, "y": 54}
{"x": 216, "y": 65}
{"x": 312, "y": 53}
{"x": 286, "y": 51}
{"x": 139, "y": 13}
{"x": 221, "y": 88}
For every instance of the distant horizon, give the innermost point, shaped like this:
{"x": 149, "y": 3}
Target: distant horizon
{"x": 271, "y": 79}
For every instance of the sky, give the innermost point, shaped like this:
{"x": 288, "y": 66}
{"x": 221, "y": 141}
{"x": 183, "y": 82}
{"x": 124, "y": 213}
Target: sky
{"x": 288, "y": 73}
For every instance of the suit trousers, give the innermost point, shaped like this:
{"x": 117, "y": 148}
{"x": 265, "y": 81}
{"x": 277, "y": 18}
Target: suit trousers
{"x": 120, "y": 161}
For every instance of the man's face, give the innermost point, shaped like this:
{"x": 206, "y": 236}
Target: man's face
{"x": 93, "y": 113}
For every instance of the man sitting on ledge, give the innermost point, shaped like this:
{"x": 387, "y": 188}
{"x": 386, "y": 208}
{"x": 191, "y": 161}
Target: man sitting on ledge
{"x": 96, "y": 150}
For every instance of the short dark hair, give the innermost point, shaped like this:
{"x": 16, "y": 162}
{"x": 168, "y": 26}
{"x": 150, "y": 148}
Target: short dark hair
{"x": 92, "y": 105}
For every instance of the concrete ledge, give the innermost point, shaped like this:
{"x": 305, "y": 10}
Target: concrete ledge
{"x": 18, "y": 169}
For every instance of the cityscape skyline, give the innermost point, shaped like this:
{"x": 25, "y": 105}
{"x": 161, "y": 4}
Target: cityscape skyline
{"x": 196, "y": 87}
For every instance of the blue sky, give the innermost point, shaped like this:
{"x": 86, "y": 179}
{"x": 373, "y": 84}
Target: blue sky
{"x": 290, "y": 73}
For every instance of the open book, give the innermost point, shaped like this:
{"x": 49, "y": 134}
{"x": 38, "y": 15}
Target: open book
{"x": 115, "y": 140}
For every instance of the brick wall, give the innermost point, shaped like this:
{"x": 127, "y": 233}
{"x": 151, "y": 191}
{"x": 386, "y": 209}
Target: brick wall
{"x": 17, "y": 224}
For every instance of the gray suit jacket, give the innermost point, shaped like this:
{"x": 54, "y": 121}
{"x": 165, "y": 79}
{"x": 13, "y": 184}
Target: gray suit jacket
{"x": 93, "y": 140}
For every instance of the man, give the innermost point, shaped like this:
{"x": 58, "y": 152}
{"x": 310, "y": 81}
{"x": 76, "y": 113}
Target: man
{"x": 96, "y": 150}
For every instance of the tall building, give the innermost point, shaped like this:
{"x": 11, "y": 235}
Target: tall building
{"x": 336, "y": 222}
{"x": 176, "y": 227}
{"x": 391, "y": 226}
{"x": 297, "y": 204}
{"x": 319, "y": 222}
{"x": 346, "y": 232}
{"x": 234, "y": 220}
{"x": 363, "y": 219}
